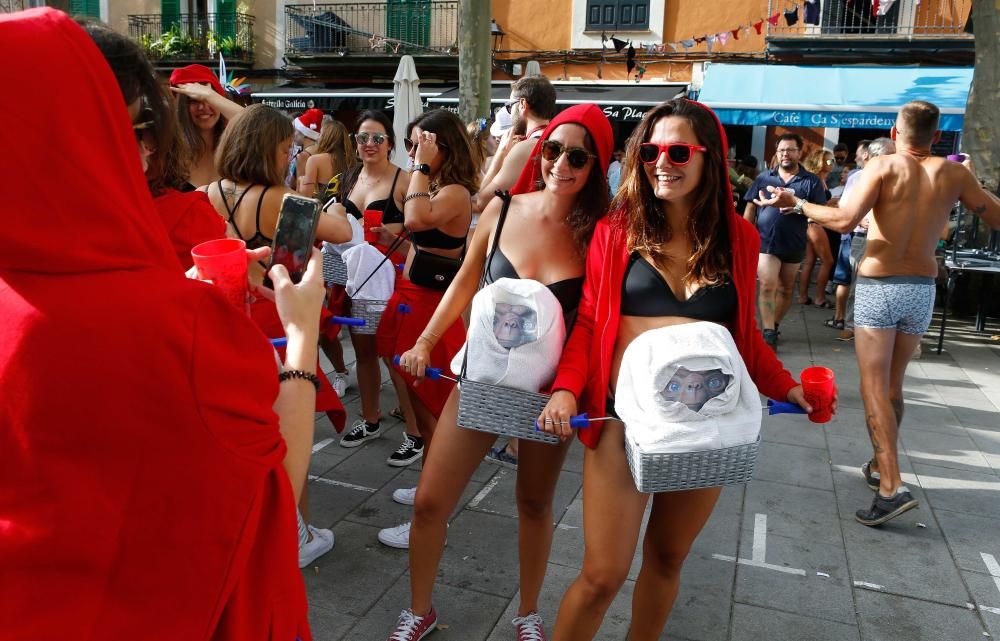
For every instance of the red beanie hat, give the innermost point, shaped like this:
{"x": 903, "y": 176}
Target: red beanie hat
{"x": 309, "y": 123}
{"x": 196, "y": 73}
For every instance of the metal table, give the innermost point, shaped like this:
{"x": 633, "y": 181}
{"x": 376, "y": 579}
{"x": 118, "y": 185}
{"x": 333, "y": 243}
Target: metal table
{"x": 954, "y": 267}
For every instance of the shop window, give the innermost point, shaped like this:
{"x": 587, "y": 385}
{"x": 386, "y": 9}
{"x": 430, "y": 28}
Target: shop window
{"x": 617, "y": 15}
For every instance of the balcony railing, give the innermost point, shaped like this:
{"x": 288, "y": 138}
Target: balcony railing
{"x": 10, "y": 6}
{"x": 910, "y": 19}
{"x": 184, "y": 37}
{"x": 418, "y": 27}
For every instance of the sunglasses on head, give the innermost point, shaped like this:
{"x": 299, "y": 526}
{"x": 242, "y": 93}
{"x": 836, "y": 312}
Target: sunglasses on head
{"x": 678, "y": 153}
{"x": 363, "y": 138}
{"x": 577, "y": 156}
{"x": 409, "y": 145}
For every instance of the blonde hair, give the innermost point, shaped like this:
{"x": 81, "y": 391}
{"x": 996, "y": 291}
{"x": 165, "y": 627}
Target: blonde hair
{"x": 336, "y": 141}
{"x": 815, "y": 161}
{"x": 246, "y": 151}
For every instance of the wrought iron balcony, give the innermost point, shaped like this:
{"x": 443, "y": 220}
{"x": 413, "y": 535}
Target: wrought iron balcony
{"x": 184, "y": 37}
{"x": 894, "y": 19}
{"x": 416, "y": 27}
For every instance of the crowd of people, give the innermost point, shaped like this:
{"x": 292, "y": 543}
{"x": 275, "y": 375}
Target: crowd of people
{"x": 179, "y": 473}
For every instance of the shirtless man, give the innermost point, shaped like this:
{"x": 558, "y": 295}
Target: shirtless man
{"x": 532, "y": 103}
{"x": 910, "y": 194}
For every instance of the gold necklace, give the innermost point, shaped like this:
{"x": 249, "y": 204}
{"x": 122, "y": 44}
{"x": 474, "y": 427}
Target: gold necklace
{"x": 368, "y": 181}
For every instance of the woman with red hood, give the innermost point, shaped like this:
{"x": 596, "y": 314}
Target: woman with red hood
{"x": 143, "y": 428}
{"x": 540, "y": 233}
{"x": 672, "y": 251}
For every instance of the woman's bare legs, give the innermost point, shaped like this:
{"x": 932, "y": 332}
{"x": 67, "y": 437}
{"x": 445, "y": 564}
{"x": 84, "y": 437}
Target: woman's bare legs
{"x": 538, "y": 468}
{"x": 674, "y": 523}
{"x": 805, "y": 275}
{"x": 612, "y": 517}
{"x": 447, "y": 469}
{"x": 821, "y": 246}
{"x": 369, "y": 375}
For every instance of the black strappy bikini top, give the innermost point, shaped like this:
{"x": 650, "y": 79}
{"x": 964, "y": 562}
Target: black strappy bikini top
{"x": 258, "y": 239}
{"x": 646, "y": 293}
{"x": 568, "y": 292}
{"x": 391, "y": 214}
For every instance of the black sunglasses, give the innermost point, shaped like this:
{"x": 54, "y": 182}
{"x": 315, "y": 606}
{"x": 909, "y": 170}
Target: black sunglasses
{"x": 678, "y": 153}
{"x": 577, "y": 156}
{"x": 509, "y": 105}
{"x": 409, "y": 145}
{"x": 362, "y": 138}
{"x": 144, "y": 129}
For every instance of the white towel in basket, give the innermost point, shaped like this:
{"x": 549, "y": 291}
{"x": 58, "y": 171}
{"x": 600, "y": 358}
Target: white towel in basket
{"x": 357, "y": 237}
{"x": 516, "y": 335}
{"x": 361, "y": 261}
{"x": 685, "y": 388}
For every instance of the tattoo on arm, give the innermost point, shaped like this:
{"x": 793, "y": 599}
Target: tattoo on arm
{"x": 979, "y": 210}
{"x": 869, "y": 419}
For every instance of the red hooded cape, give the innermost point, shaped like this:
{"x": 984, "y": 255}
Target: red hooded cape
{"x": 585, "y": 367}
{"x": 141, "y": 488}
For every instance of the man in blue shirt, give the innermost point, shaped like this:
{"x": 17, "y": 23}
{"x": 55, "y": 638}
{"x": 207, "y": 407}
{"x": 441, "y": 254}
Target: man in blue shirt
{"x": 782, "y": 237}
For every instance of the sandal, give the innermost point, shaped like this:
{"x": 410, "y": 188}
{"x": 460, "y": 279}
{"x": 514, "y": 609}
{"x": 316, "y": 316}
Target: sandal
{"x": 834, "y": 323}
{"x": 808, "y": 301}
{"x": 397, "y": 413}
{"x": 825, "y": 305}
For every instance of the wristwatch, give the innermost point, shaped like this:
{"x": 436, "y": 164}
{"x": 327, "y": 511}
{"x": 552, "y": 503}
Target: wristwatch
{"x": 799, "y": 204}
{"x": 423, "y": 168}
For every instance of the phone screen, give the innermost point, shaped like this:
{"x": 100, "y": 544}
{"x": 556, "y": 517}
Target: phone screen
{"x": 295, "y": 233}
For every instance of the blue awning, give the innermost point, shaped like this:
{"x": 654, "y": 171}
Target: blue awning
{"x": 845, "y": 97}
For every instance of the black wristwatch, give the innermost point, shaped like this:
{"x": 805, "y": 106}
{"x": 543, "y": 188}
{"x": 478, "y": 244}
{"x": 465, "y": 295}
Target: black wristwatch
{"x": 423, "y": 168}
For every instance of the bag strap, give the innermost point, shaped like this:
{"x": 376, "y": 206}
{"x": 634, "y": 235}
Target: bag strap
{"x": 388, "y": 254}
{"x": 505, "y": 196}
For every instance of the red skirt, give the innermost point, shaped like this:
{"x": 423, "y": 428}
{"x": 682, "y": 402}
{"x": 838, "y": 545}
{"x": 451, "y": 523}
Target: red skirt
{"x": 398, "y": 332}
{"x": 265, "y": 314}
{"x": 337, "y": 305}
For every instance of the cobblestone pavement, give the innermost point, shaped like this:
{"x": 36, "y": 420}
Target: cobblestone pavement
{"x": 781, "y": 558}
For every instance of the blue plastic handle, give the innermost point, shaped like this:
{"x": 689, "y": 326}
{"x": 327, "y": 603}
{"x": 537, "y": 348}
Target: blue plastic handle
{"x": 400, "y": 266}
{"x": 777, "y": 407}
{"x": 279, "y": 342}
{"x": 432, "y": 373}
{"x": 580, "y": 421}
{"x": 347, "y": 320}
{"x": 404, "y": 308}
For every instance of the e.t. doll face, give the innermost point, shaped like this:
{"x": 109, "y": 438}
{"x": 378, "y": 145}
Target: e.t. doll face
{"x": 694, "y": 389}
{"x": 514, "y": 325}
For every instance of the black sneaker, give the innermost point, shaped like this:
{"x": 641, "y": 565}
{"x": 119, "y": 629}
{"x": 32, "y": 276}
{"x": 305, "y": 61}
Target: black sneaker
{"x": 411, "y": 449}
{"x": 771, "y": 338}
{"x": 883, "y": 509}
{"x": 360, "y": 432}
{"x": 872, "y": 478}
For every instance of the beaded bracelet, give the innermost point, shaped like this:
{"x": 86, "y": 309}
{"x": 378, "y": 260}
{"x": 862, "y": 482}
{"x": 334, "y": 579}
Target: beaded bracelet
{"x": 289, "y": 374}
{"x": 416, "y": 194}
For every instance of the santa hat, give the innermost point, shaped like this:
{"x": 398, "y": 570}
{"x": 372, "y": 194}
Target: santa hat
{"x": 309, "y": 123}
{"x": 196, "y": 73}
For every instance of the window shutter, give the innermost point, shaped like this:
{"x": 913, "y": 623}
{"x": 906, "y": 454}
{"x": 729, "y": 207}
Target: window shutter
{"x": 624, "y": 15}
{"x": 170, "y": 14}
{"x": 633, "y": 15}
{"x": 225, "y": 18}
{"x": 602, "y": 14}
{"x": 88, "y": 8}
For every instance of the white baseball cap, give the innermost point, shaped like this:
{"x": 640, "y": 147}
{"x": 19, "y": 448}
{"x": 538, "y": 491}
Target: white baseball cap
{"x": 501, "y": 123}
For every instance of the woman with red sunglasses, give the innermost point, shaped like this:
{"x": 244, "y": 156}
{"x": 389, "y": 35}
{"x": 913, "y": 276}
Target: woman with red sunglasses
{"x": 672, "y": 251}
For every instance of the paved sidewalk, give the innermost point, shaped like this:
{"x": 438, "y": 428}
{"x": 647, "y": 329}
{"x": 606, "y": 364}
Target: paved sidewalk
{"x": 806, "y": 570}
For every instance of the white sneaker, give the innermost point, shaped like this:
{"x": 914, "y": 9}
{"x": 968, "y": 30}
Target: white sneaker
{"x": 529, "y": 627}
{"x": 396, "y": 537}
{"x": 321, "y": 543}
{"x": 405, "y": 495}
{"x": 339, "y": 383}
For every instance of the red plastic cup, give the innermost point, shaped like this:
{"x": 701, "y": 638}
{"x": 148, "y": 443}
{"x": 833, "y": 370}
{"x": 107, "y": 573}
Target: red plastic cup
{"x": 224, "y": 262}
{"x": 817, "y": 383}
{"x": 373, "y": 218}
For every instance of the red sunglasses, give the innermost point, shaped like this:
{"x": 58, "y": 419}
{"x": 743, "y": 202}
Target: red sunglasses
{"x": 679, "y": 153}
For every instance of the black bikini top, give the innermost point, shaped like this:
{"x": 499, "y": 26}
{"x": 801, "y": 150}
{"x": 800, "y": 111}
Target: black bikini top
{"x": 568, "y": 291}
{"x": 258, "y": 239}
{"x": 437, "y": 239}
{"x": 646, "y": 293}
{"x": 391, "y": 214}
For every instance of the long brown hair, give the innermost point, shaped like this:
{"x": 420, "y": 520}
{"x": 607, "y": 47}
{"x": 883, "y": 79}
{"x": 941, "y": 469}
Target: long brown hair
{"x": 640, "y": 212}
{"x": 458, "y": 167}
{"x": 335, "y": 140}
{"x": 247, "y": 150}
{"x": 191, "y": 135}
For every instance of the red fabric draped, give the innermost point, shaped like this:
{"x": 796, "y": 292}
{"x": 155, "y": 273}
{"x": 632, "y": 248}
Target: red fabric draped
{"x": 142, "y": 493}
{"x": 189, "y": 219}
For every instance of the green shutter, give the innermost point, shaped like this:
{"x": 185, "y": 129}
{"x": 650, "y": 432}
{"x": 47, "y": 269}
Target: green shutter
{"x": 170, "y": 14}
{"x": 409, "y": 21}
{"x": 88, "y": 8}
{"x": 225, "y": 18}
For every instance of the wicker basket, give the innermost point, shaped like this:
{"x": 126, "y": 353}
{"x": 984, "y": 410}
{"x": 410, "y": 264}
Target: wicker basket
{"x": 371, "y": 311}
{"x": 334, "y": 268}
{"x": 691, "y": 470}
{"x": 502, "y": 410}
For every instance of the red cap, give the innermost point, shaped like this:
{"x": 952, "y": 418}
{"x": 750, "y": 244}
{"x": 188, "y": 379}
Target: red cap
{"x": 196, "y": 73}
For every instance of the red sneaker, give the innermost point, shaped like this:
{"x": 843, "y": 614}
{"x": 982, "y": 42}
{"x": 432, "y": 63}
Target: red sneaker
{"x": 410, "y": 627}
